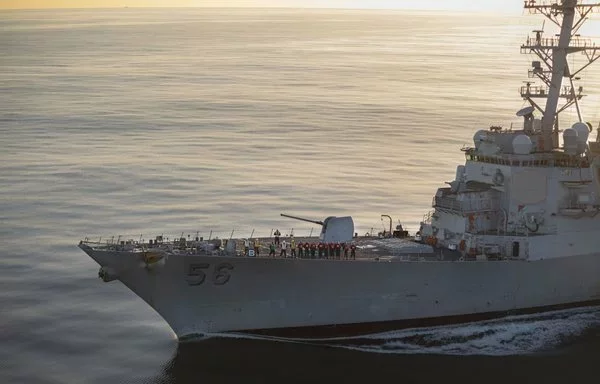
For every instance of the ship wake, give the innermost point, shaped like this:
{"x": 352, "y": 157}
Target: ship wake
{"x": 513, "y": 335}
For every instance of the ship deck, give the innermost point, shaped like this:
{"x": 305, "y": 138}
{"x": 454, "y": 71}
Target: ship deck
{"x": 366, "y": 248}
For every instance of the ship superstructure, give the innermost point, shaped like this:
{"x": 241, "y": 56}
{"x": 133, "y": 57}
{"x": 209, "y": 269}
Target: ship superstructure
{"x": 517, "y": 230}
{"x": 520, "y": 194}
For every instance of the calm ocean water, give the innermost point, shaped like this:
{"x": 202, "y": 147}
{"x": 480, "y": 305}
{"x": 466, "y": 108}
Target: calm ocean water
{"x": 168, "y": 121}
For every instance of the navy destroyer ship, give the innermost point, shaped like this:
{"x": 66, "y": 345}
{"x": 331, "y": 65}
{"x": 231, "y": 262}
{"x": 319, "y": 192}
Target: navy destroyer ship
{"x": 517, "y": 230}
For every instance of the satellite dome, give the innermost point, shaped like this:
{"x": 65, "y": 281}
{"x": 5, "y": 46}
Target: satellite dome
{"x": 479, "y": 136}
{"x": 583, "y": 132}
{"x": 522, "y": 145}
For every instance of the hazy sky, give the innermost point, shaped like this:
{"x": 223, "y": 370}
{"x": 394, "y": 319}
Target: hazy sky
{"x": 478, "y": 5}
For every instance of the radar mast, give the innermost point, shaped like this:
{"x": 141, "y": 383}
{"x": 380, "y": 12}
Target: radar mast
{"x": 569, "y": 15}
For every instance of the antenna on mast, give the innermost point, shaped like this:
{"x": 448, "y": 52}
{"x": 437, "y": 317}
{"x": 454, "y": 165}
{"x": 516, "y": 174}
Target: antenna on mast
{"x": 552, "y": 65}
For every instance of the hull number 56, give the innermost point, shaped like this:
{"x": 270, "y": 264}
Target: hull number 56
{"x": 219, "y": 275}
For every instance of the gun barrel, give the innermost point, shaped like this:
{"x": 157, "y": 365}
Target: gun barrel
{"x": 302, "y": 219}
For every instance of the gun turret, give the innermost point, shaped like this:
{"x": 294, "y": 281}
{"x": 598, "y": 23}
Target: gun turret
{"x": 300, "y": 218}
{"x": 335, "y": 229}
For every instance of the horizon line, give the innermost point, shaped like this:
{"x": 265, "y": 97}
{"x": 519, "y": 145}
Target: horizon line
{"x": 265, "y": 7}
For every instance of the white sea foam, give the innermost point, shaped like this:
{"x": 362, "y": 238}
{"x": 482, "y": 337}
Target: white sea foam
{"x": 506, "y": 336}
{"x": 512, "y": 335}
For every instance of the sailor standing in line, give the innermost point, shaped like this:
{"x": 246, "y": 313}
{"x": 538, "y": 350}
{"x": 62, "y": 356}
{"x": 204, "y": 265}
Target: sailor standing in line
{"x": 272, "y": 249}
{"x": 256, "y": 247}
{"x": 283, "y": 249}
{"x": 301, "y": 250}
{"x": 246, "y": 247}
{"x": 293, "y": 248}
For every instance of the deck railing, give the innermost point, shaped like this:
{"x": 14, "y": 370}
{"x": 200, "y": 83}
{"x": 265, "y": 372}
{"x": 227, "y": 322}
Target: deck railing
{"x": 541, "y": 160}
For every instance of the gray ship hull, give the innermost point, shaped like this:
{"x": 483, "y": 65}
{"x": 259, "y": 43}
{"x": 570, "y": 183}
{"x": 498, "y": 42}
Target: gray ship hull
{"x": 322, "y": 298}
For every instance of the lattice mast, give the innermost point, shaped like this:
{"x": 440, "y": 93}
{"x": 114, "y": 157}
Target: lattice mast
{"x": 569, "y": 15}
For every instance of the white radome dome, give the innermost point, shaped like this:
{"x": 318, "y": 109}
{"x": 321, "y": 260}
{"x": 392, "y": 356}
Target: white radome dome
{"x": 522, "y": 145}
{"x": 479, "y": 137}
{"x": 583, "y": 132}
